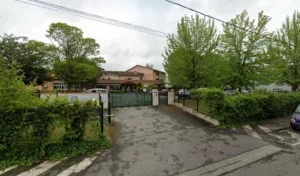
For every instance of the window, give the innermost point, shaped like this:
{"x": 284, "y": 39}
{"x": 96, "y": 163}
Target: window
{"x": 60, "y": 86}
{"x": 129, "y": 78}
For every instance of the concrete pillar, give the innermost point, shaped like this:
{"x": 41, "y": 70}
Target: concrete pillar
{"x": 171, "y": 97}
{"x": 155, "y": 98}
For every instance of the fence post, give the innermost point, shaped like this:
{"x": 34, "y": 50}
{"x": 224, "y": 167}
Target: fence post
{"x": 39, "y": 93}
{"x": 101, "y": 115}
{"x": 197, "y": 104}
{"x": 109, "y": 113}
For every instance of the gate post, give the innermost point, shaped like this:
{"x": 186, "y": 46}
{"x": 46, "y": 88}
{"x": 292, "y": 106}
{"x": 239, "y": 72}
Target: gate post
{"x": 171, "y": 97}
{"x": 155, "y": 98}
{"x": 109, "y": 113}
{"x": 101, "y": 114}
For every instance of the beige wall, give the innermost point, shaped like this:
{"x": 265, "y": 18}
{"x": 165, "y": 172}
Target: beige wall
{"x": 111, "y": 77}
{"x": 132, "y": 77}
{"x": 148, "y": 73}
{"x": 170, "y": 98}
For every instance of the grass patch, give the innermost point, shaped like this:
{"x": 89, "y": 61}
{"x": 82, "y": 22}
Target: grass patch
{"x": 192, "y": 103}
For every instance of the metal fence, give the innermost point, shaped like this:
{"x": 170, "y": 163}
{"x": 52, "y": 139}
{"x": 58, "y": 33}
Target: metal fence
{"x": 196, "y": 104}
{"x": 129, "y": 99}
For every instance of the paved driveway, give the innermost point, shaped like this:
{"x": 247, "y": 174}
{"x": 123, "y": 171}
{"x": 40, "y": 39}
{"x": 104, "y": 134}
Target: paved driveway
{"x": 166, "y": 141}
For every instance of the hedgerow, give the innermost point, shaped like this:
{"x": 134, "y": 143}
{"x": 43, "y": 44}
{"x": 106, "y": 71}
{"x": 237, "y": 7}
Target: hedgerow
{"x": 250, "y": 108}
{"x": 25, "y": 133}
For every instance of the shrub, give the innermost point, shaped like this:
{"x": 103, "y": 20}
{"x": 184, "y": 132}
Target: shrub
{"x": 25, "y": 132}
{"x": 212, "y": 97}
{"x": 244, "y": 109}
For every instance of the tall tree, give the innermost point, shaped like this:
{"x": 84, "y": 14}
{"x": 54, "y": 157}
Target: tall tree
{"x": 74, "y": 52}
{"x": 187, "y": 51}
{"x": 30, "y": 55}
{"x": 245, "y": 50}
{"x": 149, "y": 65}
{"x": 286, "y": 51}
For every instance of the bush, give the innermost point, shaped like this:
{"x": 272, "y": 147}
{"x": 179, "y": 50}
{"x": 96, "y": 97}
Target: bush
{"x": 244, "y": 109}
{"x": 25, "y": 133}
{"x": 212, "y": 97}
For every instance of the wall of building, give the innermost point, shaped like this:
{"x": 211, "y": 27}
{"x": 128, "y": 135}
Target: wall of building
{"x": 112, "y": 77}
{"x": 132, "y": 77}
{"x": 148, "y": 73}
{"x": 275, "y": 86}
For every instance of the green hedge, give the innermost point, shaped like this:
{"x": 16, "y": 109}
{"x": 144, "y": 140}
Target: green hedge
{"x": 244, "y": 109}
{"x": 25, "y": 133}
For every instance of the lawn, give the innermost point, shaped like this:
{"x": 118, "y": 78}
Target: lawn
{"x": 192, "y": 103}
{"x": 92, "y": 130}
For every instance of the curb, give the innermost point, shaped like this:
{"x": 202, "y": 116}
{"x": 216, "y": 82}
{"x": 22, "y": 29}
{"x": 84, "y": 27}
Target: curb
{"x": 234, "y": 163}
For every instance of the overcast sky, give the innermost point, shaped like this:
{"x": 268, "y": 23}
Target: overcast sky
{"x": 123, "y": 48}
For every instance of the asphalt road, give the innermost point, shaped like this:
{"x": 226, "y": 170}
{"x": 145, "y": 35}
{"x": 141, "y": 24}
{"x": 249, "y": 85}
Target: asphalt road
{"x": 280, "y": 164}
{"x": 166, "y": 141}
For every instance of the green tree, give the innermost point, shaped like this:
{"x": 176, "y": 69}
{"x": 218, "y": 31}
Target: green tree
{"x": 188, "y": 51}
{"x": 77, "y": 58}
{"x": 285, "y": 52}
{"x": 30, "y": 55}
{"x": 139, "y": 86}
{"x": 245, "y": 50}
{"x": 149, "y": 65}
{"x": 13, "y": 92}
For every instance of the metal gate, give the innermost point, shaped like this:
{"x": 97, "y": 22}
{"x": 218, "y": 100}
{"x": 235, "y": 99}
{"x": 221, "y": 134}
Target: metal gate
{"x": 163, "y": 98}
{"x": 129, "y": 99}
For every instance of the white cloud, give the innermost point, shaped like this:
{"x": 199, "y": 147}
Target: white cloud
{"x": 123, "y": 48}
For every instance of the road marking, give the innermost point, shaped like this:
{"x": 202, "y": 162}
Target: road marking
{"x": 268, "y": 131}
{"x": 39, "y": 169}
{"x": 251, "y": 132}
{"x": 6, "y": 170}
{"x": 294, "y": 135}
{"x": 295, "y": 144}
{"x": 78, "y": 167}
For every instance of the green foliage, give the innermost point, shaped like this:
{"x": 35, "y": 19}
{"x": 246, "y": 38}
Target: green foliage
{"x": 244, "y": 109}
{"x": 152, "y": 86}
{"x": 77, "y": 58}
{"x": 25, "y": 133}
{"x": 13, "y": 92}
{"x": 149, "y": 65}
{"x": 285, "y": 54}
{"x": 244, "y": 50}
{"x": 139, "y": 86}
{"x": 212, "y": 97}
{"x": 30, "y": 55}
{"x": 189, "y": 52}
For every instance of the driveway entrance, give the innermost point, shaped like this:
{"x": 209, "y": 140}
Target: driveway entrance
{"x": 165, "y": 141}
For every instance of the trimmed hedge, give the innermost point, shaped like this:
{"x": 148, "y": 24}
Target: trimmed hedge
{"x": 244, "y": 109}
{"x": 25, "y": 133}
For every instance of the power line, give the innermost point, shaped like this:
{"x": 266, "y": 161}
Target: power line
{"x": 227, "y": 23}
{"x": 94, "y": 17}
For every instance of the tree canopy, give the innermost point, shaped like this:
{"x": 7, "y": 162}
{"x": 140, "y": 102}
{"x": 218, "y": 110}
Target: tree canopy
{"x": 245, "y": 50}
{"x": 185, "y": 58}
{"x": 30, "y": 55}
{"x": 286, "y": 51}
